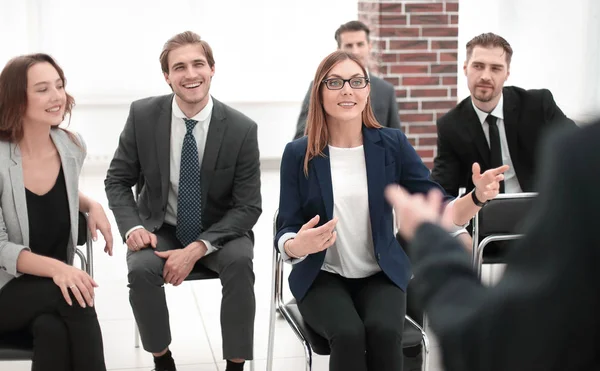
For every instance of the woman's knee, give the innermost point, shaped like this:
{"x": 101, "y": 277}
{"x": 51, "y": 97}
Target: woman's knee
{"x": 384, "y": 331}
{"x": 348, "y": 337}
{"x": 50, "y": 326}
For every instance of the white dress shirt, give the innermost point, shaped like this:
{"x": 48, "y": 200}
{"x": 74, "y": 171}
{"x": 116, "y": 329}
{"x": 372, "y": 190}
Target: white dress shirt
{"x": 178, "y": 130}
{"x": 511, "y": 183}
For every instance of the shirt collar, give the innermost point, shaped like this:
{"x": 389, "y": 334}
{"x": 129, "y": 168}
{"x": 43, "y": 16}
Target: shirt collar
{"x": 200, "y": 116}
{"x": 498, "y": 111}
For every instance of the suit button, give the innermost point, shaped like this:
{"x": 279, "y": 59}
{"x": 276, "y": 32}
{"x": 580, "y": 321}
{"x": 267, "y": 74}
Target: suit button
{"x": 378, "y": 256}
{"x": 154, "y": 229}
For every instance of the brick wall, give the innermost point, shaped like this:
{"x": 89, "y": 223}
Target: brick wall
{"x": 415, "y": 47}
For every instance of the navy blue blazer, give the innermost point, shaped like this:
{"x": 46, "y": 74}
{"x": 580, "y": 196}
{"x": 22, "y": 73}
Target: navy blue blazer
{"x": 389, "y": 159}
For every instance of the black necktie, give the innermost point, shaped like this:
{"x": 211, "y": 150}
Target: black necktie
{"x": 189, "y": 204}
{"x": 495, "y": 149}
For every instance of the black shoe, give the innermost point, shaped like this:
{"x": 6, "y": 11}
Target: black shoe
{"x": 164, "y": 362}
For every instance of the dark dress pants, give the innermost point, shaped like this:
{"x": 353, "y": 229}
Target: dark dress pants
{"x": 363, "y": 320}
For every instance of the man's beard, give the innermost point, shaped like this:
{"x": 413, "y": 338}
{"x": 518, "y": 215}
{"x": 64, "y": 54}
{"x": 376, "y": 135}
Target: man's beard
{"x": 484, "y": 98}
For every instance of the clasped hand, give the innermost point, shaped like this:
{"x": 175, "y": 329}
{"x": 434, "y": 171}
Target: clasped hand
{"x": 180, "y": 262}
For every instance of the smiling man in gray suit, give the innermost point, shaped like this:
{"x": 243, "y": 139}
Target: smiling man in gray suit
{"x": 196, "y": 163}
{"x": 353, "y": 37}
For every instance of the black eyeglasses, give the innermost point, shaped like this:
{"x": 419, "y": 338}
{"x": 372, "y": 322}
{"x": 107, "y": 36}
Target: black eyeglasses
{"x": 338, "y": 84}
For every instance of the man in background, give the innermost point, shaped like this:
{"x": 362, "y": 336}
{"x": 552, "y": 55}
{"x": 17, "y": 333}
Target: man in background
{"x": 353, "y": 37}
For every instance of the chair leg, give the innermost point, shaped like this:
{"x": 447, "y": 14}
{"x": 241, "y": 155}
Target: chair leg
{"x": 307, "y": 356}
{"x": 136, "y": 335}
{"x": 425, "y": 354}
{"x": 271, "y": 342}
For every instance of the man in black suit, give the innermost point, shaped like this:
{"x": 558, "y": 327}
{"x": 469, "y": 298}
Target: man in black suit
{"x": 543, "y": 314}
{"x": 198, "y": 160}
{"x": 496, "y": 125}
{"x": 353, "y": 37}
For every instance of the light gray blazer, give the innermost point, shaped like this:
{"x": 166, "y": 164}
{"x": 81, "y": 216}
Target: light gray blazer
{"x": 14, "y": 222}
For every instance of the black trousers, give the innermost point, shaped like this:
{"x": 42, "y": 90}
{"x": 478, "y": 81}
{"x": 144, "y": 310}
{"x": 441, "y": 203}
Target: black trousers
{"x": 363, "y": 320}
{"x": 233, "y": 263}
{"x": 64, "y": 337}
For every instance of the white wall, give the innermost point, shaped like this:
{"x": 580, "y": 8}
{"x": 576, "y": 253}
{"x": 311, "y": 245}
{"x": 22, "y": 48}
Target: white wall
{"x": 266, "y": 53}
{"x": 556, "y": 45}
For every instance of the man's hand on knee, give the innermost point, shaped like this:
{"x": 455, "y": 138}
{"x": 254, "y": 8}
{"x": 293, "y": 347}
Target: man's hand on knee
{"x": 139, "y": 239}
{"x": 180, "y": 262}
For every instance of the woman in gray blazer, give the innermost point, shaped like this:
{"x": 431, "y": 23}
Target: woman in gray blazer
{"x": 42, "y": 295}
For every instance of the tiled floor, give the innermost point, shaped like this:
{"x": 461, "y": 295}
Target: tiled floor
{"x": 194, "y": 307}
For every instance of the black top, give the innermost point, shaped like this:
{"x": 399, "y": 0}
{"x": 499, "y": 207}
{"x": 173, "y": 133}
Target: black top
{"x": 49, "y": 220}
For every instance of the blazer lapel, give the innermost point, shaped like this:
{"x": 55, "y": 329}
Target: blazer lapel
{"x": 476, "y": 132}
{"x": 323, "y": 170}
{"x": 375, "y": 163}
{"x": 71, "y": 173}
{"x": 214, "y": 138}
{"x": 163, "y": 145}
{"x": 511, "y": 124}
{"x": 18, "y": 189}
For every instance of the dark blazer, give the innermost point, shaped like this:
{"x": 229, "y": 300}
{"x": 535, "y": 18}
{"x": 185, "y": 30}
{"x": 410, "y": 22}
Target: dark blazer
{"x": 389, "y": 159}
{"x": 383, "y": 103}
{"x": 230, "y": 171}
{"x": 528, "y": 115}
{"x": 544, "y": 313}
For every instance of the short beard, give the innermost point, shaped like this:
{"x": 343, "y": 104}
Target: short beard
{"x": 483, "y": 98}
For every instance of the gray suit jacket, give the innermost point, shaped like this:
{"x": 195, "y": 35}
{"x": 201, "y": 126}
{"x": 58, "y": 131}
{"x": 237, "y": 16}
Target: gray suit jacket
{"x": 14, "y": 222}
{"x": 230, "y": 171}
{"x": 383, "y": 102}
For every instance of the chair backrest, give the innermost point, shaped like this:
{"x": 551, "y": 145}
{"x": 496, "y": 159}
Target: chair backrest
{"x": 82, "y": 230}
{"x": 501, "y": 220}
{"x": 504, "y": 214}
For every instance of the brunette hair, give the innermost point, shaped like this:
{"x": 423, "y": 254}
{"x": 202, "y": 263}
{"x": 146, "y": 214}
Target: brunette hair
{"x": 13, "y": 94}
{"x": 490, "y": 40}
{"x": 182, "y": 39}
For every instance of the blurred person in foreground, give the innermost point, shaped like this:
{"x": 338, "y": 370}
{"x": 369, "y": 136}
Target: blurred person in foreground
{"x": 543, "y": 314}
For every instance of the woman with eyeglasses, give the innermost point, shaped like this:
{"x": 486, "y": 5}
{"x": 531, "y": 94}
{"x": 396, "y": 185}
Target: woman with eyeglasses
{"x": 45, "y": 302}
{"x": 349, "y": 272}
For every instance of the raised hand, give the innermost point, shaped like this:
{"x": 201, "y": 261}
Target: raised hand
{"x": 487, "y": 185}
{"x": 413, "y": 210}
{"x": 311, "y": 239}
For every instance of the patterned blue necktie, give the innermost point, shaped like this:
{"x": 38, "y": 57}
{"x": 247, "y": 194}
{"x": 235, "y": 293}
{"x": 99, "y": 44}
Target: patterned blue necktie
{"x": 189, "y": 200}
